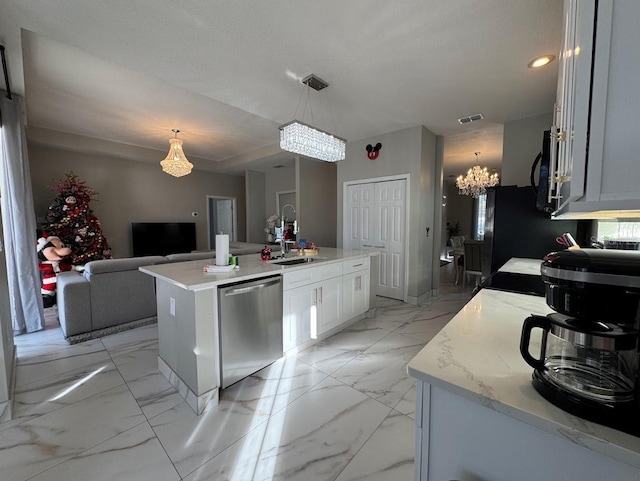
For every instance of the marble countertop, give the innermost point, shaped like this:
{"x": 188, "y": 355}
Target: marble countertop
{"x": 477, "y": 356}
{"x": 519, "y": 265}
{"x": 189, "y": 275}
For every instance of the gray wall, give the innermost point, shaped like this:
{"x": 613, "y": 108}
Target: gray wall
{"x": 256, "y": 211}
{"x": 277, "y": 180}
{"x": 317, "y": 199}
{"x": 521, "y": 143}
{"x": 131, "y": 191}
{"x": 409, "y": 151}
{"x": 459, "y": 209}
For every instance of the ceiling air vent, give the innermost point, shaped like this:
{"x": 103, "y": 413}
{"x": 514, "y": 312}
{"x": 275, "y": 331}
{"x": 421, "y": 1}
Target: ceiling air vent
{"x": 470, "y": 118}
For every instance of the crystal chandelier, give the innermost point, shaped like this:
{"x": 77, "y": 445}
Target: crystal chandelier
{"x": 176, "y": 163}
{"x": 476, "y": 181}
{"x": 303, "y": 139}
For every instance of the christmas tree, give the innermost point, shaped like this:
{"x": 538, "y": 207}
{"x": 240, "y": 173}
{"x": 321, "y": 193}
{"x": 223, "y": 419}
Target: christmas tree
{"x": 71, "y": 219}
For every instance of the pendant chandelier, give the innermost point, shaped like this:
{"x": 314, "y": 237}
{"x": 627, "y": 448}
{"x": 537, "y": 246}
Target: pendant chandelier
{"x": 176, "y": 163}
{"x": 304, "y": 139}
{"x": 476, "y": 181}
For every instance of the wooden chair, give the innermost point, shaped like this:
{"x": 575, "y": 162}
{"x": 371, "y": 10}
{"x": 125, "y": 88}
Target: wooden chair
{"x": 472, "y": 260}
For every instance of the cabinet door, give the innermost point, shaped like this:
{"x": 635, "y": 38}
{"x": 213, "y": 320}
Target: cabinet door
{"x": 571, "y": 115}
{"x": 355, "y": 299}
{"x": 299, "y": 316}
{"x": 329, "y": 302}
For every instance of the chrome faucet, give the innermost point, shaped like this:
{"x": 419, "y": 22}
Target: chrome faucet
{"x": 280, "y": 239}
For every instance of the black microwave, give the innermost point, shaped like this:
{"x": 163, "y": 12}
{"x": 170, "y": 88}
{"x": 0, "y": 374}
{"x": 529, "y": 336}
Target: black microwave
{"x": 541, "y": 188}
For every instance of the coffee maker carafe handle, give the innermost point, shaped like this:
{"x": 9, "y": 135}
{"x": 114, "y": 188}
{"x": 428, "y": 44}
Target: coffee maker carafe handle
{"x": 529, "y": 324}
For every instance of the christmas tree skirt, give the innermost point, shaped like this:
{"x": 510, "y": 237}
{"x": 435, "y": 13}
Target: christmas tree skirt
{"x": 107, "y": 331}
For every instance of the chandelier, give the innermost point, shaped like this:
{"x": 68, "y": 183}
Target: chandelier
{"x": 176, "y": 163}
{"x": 303, "y": 139}
{"x": 476, "y": 181}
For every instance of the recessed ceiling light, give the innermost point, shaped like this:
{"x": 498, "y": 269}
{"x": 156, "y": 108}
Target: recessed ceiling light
{"x": 541, "y": 61}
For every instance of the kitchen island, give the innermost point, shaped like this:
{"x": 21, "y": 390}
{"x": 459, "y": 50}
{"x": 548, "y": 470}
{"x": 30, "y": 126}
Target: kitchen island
{"x": 187, "y": 306}
{"x": 478, "y": 417}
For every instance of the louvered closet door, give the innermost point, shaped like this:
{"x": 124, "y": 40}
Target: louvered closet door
{"x": 389, "y": 215}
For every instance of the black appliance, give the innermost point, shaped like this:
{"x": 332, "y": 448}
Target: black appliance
{"x": 515, "y": 282}
{"x": 541, "y": 189}
{"x": 589, "y": 361}
{"x": 162, "y": 238}
{"x": 514, "y": 227}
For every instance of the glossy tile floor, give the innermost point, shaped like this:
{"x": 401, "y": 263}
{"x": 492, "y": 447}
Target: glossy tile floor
{"x": 340, "y": 410}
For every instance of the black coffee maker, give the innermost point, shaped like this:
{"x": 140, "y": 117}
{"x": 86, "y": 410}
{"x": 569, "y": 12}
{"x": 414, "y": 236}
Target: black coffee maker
{"x": 589, "y": 361}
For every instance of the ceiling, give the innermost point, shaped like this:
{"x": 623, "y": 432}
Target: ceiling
{"x": 228, "y": 73}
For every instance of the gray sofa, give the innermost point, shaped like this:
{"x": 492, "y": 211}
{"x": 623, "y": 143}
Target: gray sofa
{"x": 112, "y": 294}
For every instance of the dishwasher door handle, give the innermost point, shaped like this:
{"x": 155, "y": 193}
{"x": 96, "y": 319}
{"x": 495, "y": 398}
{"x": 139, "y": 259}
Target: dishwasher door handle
{"x": 244, "y": 290}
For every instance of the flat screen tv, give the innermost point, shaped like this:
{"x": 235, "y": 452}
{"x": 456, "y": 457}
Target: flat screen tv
{"x": 162, "y": 238}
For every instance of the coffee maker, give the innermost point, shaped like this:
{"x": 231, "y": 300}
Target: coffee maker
{"x": 589, "y": 361}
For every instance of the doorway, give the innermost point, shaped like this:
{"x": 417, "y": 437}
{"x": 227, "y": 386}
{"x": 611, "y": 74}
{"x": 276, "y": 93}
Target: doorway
{"x": 222, "y": 218}
{"x": 284, "y": 197}
{"x": 375, "y": 220}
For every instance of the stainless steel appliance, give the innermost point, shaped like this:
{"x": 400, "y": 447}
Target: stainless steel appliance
{"x": 589, "y": 361}
{"x": 250, "y": 323}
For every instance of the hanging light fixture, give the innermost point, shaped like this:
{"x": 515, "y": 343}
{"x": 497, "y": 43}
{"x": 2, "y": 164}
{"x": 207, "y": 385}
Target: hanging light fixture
{"x": 176, "y": 163}
{"x": 476, "y": 181}
{"x": 304, "y": 139}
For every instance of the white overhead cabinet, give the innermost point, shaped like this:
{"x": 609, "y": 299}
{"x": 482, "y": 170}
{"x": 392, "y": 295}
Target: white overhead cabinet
{"x": 597, "y": 165}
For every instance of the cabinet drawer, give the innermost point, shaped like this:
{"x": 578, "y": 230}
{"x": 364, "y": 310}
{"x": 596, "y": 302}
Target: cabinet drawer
{"x": 327, "y": 271}
{"x": 354, "y": 265}
{"x": 299, "y": 278}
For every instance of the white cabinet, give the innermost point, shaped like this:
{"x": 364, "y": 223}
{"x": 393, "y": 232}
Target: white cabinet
{"x": 459, "y": 439}
{"x": 355, "y": 288}
{"x": 299, "y": 314}
{"x": 313, "y": 299}
{"x": 597, "y": 165}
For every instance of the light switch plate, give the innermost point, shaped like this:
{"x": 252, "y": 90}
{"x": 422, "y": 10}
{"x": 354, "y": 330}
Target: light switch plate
{"x": 172, "y": 306}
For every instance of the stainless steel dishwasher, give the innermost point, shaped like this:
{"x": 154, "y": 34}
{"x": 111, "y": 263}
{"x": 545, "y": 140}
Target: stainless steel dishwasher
{"x": 250, "y": 317}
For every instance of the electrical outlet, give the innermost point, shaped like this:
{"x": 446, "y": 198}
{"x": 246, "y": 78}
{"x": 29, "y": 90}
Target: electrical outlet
{"x": 172, "y": 306}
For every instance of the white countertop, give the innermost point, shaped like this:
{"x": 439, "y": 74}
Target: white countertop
{"x": 189, "y": 275}
{"x": 520, "y": 265}
{"x": 477, "y": 356}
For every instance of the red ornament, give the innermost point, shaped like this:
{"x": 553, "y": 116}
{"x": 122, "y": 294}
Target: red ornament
{"x": 373, "y": 152}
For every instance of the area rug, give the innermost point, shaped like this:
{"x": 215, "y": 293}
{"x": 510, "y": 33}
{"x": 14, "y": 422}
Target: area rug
{"x": 107, "y": 331}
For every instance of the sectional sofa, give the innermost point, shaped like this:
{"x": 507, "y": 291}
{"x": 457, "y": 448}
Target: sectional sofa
{"x": 111, "y": 295}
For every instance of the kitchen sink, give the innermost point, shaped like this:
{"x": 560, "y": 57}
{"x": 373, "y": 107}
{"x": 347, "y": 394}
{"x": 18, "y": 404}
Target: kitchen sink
{"x": 293, "y": 261}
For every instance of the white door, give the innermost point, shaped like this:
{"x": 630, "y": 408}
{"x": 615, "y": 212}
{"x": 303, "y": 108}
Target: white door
{"x": 222, "y": 218}
{"x": 375, "y": 221}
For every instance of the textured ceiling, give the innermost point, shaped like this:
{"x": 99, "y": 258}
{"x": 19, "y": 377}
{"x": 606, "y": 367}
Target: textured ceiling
{"x": 227, "y": 73}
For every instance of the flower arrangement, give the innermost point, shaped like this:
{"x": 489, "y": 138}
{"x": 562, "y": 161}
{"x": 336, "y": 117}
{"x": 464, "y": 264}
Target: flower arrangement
{"x": 271, "y": 224}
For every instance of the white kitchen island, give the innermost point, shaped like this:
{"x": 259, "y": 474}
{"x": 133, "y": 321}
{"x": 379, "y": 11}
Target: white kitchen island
{"x": 187, "y": 304}
{"x": 478, "y": 417}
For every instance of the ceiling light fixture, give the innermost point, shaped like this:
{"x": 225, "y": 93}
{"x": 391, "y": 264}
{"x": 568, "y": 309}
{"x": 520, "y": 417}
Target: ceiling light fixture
{"x": 304, "y": 139}
{"x": 541, "y": 61}
{"x": 176, "y": 163}
{"x": 476, "y": 181}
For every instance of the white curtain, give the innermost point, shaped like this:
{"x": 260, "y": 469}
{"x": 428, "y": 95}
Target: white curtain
{"x": 18, "y": 219}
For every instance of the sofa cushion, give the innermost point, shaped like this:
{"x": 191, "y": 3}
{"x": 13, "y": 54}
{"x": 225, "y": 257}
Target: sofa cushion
{"x": 116, "y": 265}
{"x": 74, "y": 303}
{"x": 191, "y": 256}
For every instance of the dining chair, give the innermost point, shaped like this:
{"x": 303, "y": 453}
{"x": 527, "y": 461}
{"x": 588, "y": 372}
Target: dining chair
{"x": 472, "y": 263}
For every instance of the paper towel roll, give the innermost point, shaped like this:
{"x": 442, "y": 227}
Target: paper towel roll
{"x": 222, "y": 250}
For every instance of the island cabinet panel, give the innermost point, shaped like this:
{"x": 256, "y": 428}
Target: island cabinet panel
{"x": 459, "y": 439}
{"x": 299, "y": 312}
{"x": 329, "y": 305}
{"x": 355, "y": 287}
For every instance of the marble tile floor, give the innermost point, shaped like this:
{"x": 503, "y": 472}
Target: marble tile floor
{"x": 341, "y": 410}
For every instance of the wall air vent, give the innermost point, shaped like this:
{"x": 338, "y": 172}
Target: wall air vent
{"x": 470, "y": 118}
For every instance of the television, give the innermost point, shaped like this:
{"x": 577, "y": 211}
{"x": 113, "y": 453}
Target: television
{"x": 162, "y": 238}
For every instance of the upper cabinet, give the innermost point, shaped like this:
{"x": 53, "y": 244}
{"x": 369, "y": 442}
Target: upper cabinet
{"x": 596, "y": 167}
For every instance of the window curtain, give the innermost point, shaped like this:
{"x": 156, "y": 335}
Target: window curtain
{"x": 18, "y": 219}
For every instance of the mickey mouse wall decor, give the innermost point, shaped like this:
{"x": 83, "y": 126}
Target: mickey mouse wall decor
{"x": 373, "y": 152}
